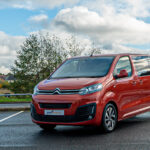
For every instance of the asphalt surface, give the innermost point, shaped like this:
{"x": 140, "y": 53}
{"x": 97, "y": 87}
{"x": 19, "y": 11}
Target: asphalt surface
{"x": 18, "y": 132}
{"x": 14, "y": 105}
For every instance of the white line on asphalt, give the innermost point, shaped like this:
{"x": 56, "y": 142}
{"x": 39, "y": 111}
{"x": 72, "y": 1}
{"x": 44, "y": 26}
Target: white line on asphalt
{"x": 11, "y": 116}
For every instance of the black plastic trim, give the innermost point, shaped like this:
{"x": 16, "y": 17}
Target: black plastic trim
{"x": 82, "y": 114}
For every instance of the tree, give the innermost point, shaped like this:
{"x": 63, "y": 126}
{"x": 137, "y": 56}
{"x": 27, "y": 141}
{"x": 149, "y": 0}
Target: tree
{"x": 95, "y": 50}
{"x": 74, "y": 47}
{"x": 38, "y": 57}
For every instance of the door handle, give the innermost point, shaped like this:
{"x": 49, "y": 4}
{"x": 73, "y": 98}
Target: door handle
{"x": 134, "y": 82}
{"x": 141, "y": 81}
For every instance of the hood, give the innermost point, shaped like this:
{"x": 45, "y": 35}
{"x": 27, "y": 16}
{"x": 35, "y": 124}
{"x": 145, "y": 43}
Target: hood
{"x": 68, "y": 83}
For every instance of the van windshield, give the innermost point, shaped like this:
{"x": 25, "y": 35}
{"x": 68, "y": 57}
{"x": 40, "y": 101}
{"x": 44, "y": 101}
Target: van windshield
{"x": 88, "y": 67}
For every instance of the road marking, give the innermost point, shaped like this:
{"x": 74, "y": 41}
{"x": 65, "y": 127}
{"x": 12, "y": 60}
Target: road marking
{"x": 11, "y": 116}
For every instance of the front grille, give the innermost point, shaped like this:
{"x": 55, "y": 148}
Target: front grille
{"x": 55, "y": 105}
{"x": 82, "y": 114}
{"x": 59, "y": 92}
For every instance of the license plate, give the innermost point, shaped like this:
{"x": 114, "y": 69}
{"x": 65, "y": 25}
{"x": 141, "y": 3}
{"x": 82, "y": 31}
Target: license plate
{"x": 54, "y": 112}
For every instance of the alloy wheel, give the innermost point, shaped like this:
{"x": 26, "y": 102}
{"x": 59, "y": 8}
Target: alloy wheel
{"x": 109, "y": 118}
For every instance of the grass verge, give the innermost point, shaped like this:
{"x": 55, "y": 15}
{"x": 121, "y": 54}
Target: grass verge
{"x": 14, "y": 99}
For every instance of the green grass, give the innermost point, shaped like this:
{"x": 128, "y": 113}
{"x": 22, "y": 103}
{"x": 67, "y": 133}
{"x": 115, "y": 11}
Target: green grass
{"x": 14, "y": 99}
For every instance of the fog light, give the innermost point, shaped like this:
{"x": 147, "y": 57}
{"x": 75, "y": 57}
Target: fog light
{"x": 86, "y": 112}
{"x": 92, "y": 111}
{"x": 90, "y": 117}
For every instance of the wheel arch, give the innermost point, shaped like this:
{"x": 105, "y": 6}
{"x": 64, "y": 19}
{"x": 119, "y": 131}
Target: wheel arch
{"x": 114, "y": 103}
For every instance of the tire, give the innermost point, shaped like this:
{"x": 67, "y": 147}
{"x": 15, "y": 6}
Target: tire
{"x": 47, "y": 127}
{"x": 109, "y": 118}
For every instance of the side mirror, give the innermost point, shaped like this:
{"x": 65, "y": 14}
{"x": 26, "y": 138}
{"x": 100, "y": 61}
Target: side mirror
{"x": 123, "y": 73}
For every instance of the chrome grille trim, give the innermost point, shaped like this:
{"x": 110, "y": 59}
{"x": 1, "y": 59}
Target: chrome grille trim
{"x": 61, "y": 92}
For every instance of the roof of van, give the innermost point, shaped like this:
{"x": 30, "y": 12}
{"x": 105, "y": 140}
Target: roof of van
{"x": 121, "y": 54}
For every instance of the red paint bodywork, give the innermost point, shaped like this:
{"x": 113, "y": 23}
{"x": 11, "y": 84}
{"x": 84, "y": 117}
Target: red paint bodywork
{"x": 130, "y": 99}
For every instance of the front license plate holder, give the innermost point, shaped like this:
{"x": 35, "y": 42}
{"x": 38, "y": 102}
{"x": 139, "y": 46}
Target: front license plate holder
{"x": 54, "y": 112}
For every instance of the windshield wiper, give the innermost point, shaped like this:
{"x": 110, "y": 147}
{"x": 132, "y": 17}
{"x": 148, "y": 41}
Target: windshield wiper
{"x": 61, "y": 77}
{"x": 76, "y": 77}
{"x": 94, "y": 76}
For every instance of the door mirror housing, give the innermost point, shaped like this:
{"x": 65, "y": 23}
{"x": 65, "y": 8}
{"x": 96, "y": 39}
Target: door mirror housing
{"x": 123, "y": 73}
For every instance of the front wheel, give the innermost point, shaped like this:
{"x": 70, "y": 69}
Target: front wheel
{"x": 47, "y": 127}
{"x": 109, "y": 118}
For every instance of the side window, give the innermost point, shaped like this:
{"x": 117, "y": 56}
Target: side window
{"x": 142, "y": 65}
{"x": 123, "y": 64}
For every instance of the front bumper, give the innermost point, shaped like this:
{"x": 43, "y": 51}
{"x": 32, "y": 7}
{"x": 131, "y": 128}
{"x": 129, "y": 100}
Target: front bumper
{"x": 83, "y": 113}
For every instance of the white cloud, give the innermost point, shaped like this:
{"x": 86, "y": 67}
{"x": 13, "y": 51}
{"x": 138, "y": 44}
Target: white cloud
{"x": 104, "y": 28}
{"x": 4, "y": 70}
{"x": 38, "y": 21}
{"x": 9, "y": 44}
{"x": 136, "y": 8}
{"x": 8, "y": 47}
{"x": 35, "y": 4}
{"x": 117, "y": 48}
{"x": 38, "y": 18}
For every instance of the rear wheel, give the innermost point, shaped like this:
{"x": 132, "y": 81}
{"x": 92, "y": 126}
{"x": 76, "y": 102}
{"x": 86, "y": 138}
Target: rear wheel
{"x": 47, "y": 127}
{"x": 109, "y": 118}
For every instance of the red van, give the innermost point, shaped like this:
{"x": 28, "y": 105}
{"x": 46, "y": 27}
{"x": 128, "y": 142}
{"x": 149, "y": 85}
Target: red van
{"x": 95, "y": 90}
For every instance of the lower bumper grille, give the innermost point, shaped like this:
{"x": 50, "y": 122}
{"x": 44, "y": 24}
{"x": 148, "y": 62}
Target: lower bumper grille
{"x": 55, "y": 105}
{"x": 83, "y": 113}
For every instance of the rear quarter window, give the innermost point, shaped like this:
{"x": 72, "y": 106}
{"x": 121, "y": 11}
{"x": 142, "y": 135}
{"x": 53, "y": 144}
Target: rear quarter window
{"x": 142, "y": 65}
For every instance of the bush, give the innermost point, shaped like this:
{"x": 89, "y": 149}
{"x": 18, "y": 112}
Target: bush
{"x": 0, "y": 85}
{"x": 4, "y": 84}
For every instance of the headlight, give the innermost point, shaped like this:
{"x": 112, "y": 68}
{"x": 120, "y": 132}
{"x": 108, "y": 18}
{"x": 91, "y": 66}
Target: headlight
{"x": 91, "y": 89}
{"x": 35, "y": 92}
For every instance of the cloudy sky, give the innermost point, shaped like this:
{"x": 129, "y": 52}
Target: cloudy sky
{"x": 116, "y": 25}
